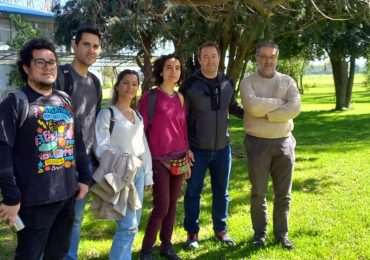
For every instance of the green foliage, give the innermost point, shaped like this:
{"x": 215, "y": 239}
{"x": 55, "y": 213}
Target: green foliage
{"x": 109, "y": 75}
{"x": 294, "y": 67}
{"x": 329, "y": 216}
{"x": 25, "y": 32}
{"x": 74, "y": 14}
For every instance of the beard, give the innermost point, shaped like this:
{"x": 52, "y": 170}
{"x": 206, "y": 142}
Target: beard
{"x": 41, "y": 84}
{"x": 45, "y": 85}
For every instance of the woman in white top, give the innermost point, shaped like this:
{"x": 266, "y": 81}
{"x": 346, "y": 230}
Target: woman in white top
{"x": 128, "y": 135}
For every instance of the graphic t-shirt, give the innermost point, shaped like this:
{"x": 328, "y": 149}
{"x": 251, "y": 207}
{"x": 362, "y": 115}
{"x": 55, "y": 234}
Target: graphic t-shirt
{"x": 43, "y": 148}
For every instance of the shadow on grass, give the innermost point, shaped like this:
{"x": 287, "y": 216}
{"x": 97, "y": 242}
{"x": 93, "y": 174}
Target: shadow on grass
{"x": 320, "y": 129}
{"x": 312, "y": 185}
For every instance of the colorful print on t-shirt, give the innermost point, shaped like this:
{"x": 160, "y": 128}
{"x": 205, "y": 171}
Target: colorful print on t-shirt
{"x": 54, "y": 139}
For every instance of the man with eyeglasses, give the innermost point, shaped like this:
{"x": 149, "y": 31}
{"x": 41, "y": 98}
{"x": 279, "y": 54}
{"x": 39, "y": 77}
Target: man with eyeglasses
{"x": 85, "y": 91}
{"x": 210, "y": 97}
{"x": 39, "y": 158}
{"x": 271, "y": 101}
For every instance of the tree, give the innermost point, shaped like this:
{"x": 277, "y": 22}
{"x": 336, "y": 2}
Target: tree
{"x": 125, "y": 24}
{"x": 343, "y": 40}
{"x": 24, "y": 32}
{"x": 367, "y": 71}
{"x": 237, "y": 26}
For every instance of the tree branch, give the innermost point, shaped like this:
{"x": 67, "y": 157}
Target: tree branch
{"x": 199, "y": 2}
{"x": 327, "y": 17}
{"x": 137, "y": 29}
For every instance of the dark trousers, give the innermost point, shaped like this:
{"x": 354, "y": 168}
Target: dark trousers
{"x": 273, "y": 157}
{"x": 166, "y": 191}
{"x": 47, "y": 231}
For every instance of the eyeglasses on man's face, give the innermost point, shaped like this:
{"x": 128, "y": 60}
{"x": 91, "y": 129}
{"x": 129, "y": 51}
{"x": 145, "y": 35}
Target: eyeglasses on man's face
{"x": 41, "y": 63}
{"x": 267, "y": 57}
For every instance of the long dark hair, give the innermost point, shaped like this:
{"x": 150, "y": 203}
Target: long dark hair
{"x": 120, "y": 76}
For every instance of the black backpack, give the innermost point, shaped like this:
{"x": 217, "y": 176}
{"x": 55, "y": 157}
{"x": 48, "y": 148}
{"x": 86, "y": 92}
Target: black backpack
{"x": 66, "y": 82}
{"x": 21, "y": 104}
{"x": 112, "y": 120}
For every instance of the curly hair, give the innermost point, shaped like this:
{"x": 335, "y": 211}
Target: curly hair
{"x": 26, "y": 52}
{"x": 159, "y": 65}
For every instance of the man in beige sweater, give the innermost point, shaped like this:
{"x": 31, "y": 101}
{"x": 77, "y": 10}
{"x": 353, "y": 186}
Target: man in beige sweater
{"x": 271, "y": 101}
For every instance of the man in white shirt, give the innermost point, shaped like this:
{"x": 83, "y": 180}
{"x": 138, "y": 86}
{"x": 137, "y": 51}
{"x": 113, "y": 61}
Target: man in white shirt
{"x": 271, "y": 101}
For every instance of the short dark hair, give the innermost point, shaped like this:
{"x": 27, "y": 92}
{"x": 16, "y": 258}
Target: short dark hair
{"x": 26, "y": 53}
{"x": 86, "y": 29}
{"x": 120, "y": 76}
{"x": 267, "y": 43}
{"x": 208, "y": 44}
{"x": 159, "y": 65}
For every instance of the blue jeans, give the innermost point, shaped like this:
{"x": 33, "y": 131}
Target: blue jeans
{"x": 76, "y": 228}
{"x": 128, "y": 226}
{"x": 219, "y": 165}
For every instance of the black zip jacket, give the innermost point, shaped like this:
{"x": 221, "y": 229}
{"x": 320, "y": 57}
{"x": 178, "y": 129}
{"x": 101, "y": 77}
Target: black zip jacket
{"x": 208, "y": 109}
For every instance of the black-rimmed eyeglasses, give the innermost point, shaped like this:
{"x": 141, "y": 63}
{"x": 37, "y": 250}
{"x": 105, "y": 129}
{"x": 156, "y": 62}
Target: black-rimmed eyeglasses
{"x": 41, "y": 63}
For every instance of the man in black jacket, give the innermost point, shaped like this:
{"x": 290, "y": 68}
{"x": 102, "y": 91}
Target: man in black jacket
{"x": 210, "y": 97}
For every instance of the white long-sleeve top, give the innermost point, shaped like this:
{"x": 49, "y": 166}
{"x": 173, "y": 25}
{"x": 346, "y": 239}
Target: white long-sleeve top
{"x": 270, "y": 105}
{"x": 125, "y": 135}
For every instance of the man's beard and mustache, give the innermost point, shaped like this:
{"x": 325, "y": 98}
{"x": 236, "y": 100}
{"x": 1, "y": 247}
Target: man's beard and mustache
{"x": 45, "y": 85}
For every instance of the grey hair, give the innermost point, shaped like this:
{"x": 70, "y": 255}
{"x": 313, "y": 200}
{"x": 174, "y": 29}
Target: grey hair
{"x": 268, "y": 43}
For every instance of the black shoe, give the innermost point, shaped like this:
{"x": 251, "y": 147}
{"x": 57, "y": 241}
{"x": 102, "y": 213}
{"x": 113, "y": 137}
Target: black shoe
{"x": 224, "y": 238}
{"x": 169, "y": 253}
{"x": 145, "y": 256}
{"x": 192, "y": 241}
{"x": 259, "y": 240}
{"x": 285, "y": 242}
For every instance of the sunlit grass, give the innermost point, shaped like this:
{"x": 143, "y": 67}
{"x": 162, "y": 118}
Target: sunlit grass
{"x": 330, "y": 213}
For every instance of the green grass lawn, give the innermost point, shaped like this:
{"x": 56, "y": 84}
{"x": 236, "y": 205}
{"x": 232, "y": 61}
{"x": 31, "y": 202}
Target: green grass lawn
{"x": 330, "y": 213}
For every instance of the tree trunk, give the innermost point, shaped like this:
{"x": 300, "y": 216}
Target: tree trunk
{"x": 223, "y": 45}
{"x": 245, "y": 47}
{"x": 242, "y": 74}
{"x": 143, "y": 60}
{"x": 340, "y": 75}
{"x": 351, "y": 78}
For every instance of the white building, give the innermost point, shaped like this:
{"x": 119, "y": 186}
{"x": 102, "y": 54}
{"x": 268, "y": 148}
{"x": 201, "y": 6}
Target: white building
{"x": 43, "y": 21}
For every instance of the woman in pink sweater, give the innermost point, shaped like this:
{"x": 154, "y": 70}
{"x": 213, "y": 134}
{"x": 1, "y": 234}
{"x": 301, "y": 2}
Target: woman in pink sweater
{"x": 167, "y": 138}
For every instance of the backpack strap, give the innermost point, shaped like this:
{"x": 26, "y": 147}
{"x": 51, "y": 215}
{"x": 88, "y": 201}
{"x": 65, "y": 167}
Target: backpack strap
{"x": 98, "y": 91}
{"x": 66, "y": 81}
{"x": 111, "y": 121}
{"x": 138, "y": 115}
{"x": 151, "y": 108}
{"x": 21, "y": 104}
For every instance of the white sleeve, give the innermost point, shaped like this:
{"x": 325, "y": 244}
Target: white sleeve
{"x": 102, "y": 135}
{"x": 147, "y": 163}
